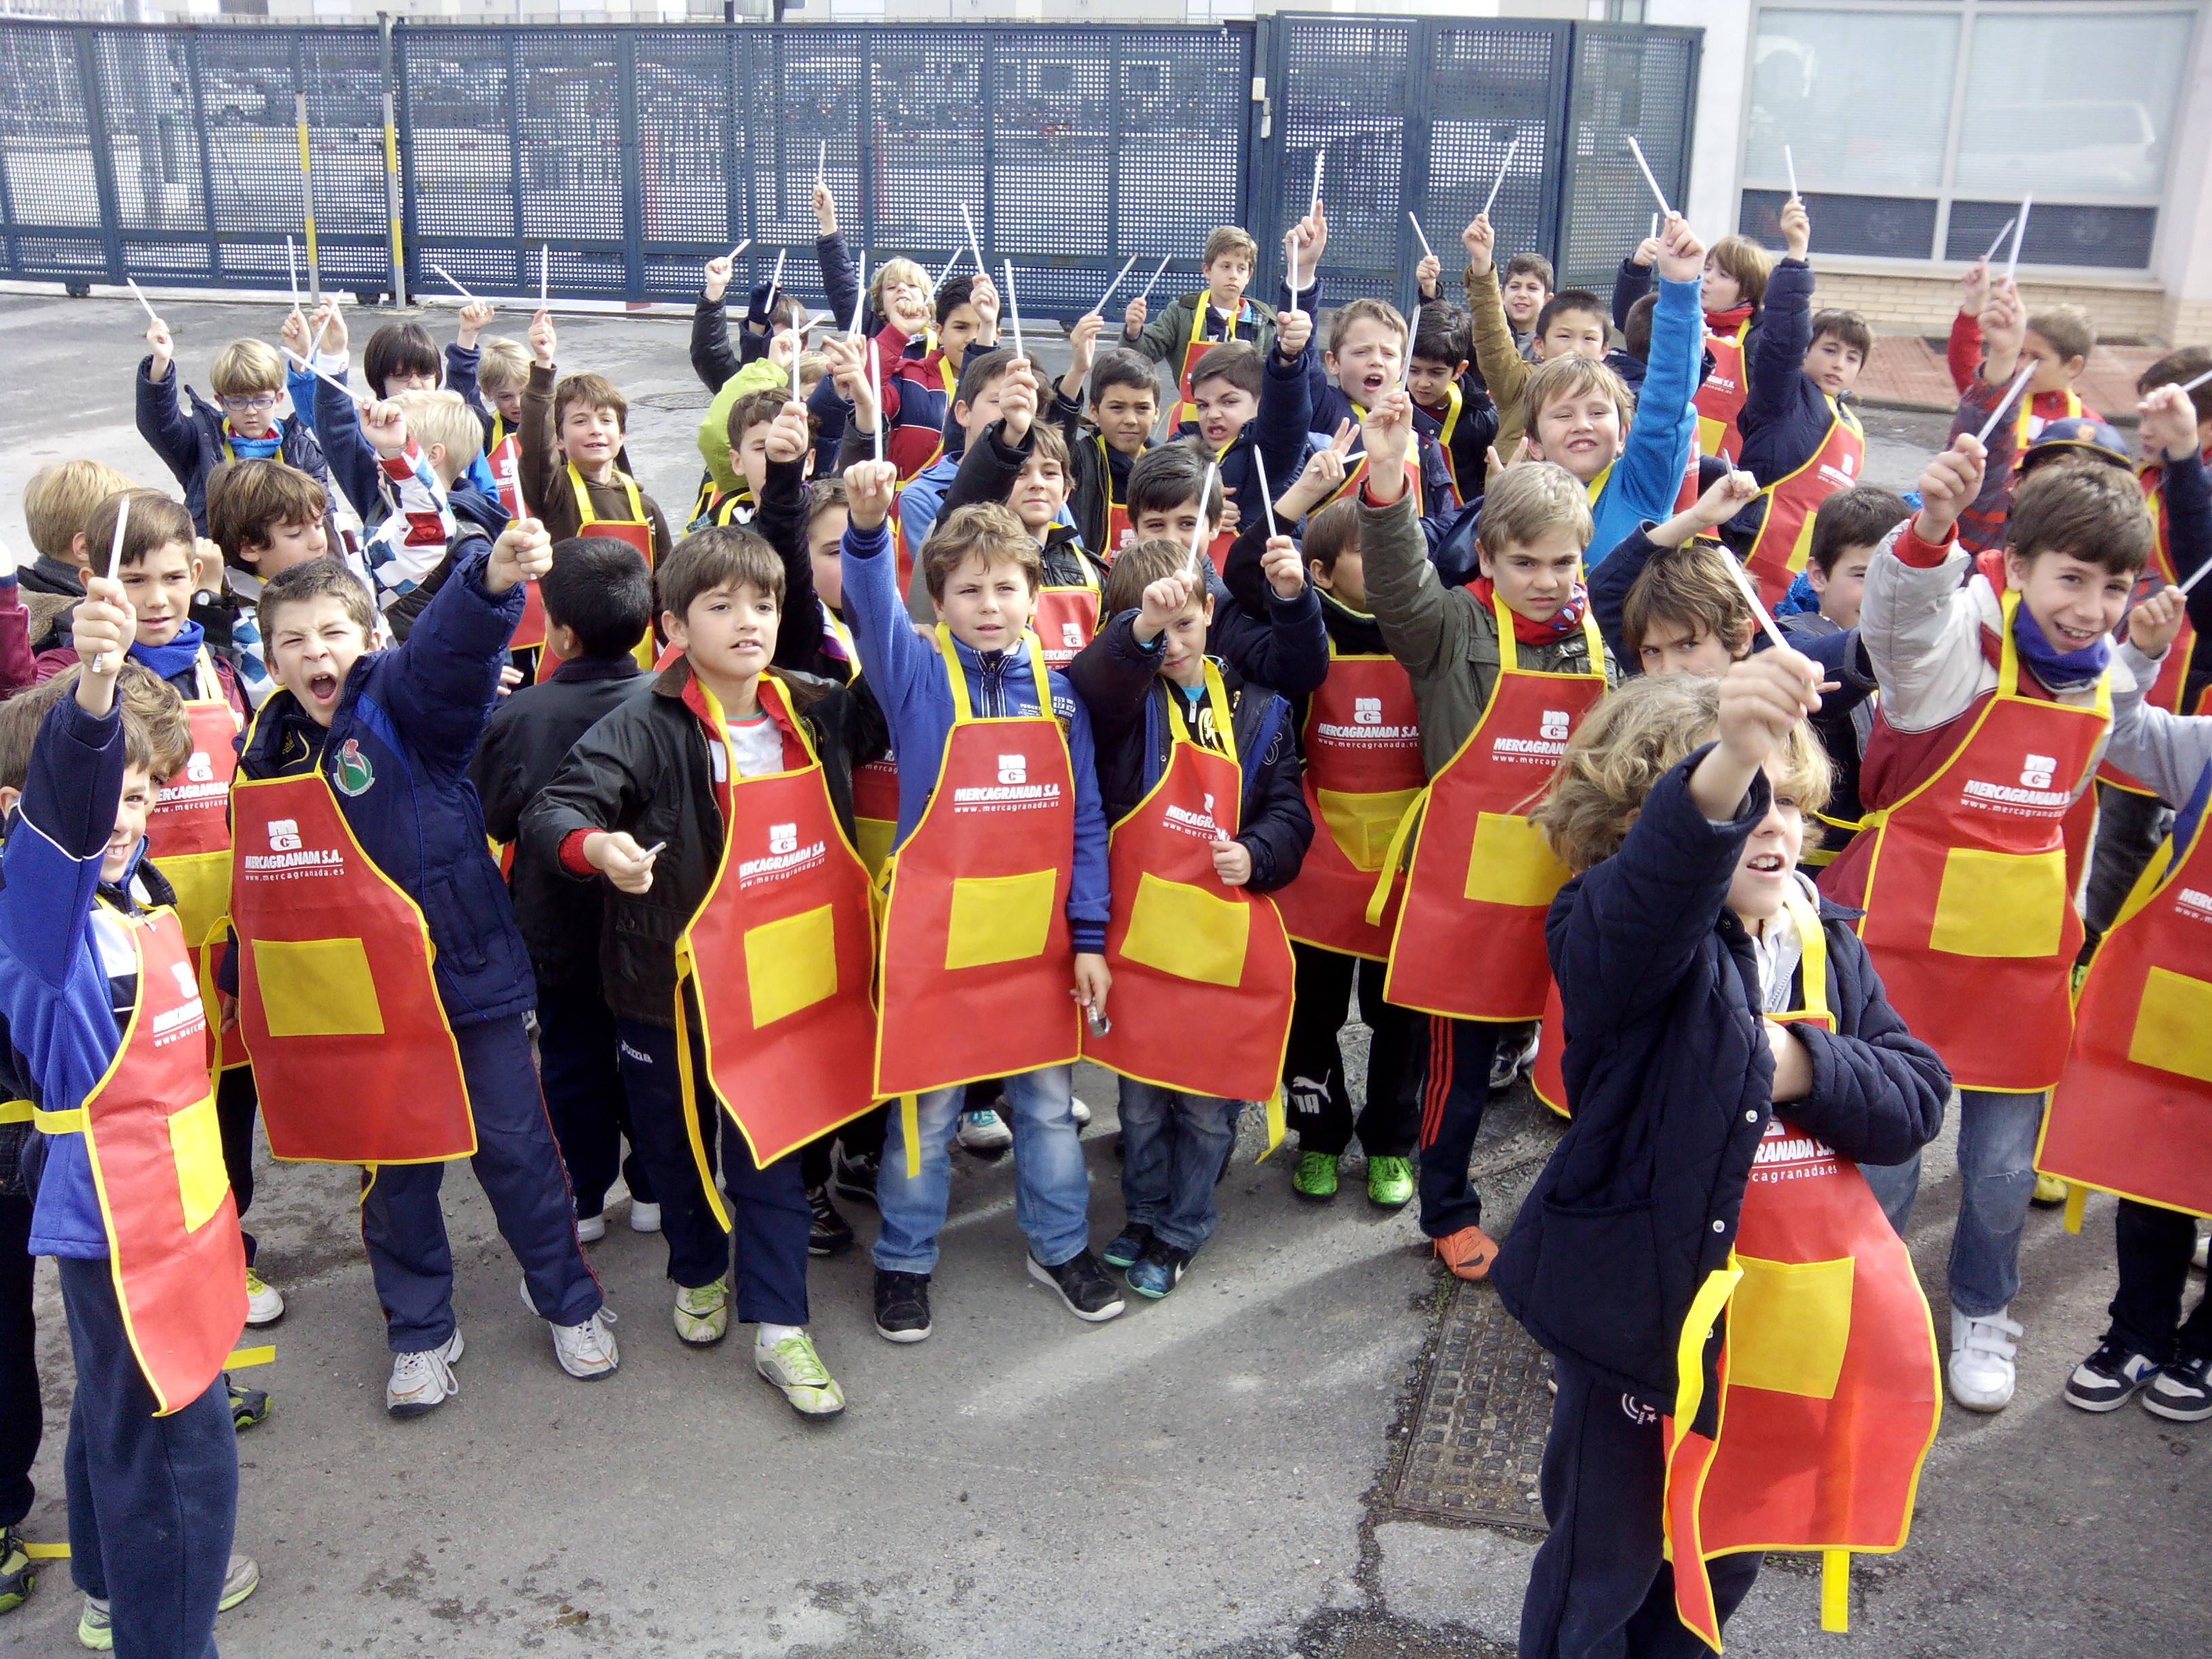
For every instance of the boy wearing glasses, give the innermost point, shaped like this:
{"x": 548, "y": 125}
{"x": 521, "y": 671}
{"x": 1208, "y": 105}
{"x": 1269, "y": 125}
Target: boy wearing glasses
{"x": 195, "y": 436}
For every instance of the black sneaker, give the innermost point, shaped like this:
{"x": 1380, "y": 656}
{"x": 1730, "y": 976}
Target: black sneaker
{"x": 247, "y": 1406}
{"x": 901, "y": 1306}
{"x": 2104, "y": 1381}
{"x": 1083, "y": 1284}
{"x": 2182, "y": 1392}
{"x": 830, "y": 1232}
{"x": 1128, "y": 1245}
{"x": 1160, "y": 1271}
{"x": 855, "y": 1177}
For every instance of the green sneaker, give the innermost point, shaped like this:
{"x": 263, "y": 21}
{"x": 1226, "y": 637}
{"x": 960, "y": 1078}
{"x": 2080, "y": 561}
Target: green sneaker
{"x": 95, "y": 1630}
{"x": 794, "y": 1366}
{"x": 18, "y": 1572}
{"x": 1316, "y": 1176}
{"x": 702, "y": 1315}
{"x": 1390, "y": 1181}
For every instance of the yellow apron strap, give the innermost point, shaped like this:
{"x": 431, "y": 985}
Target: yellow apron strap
{"x": 910, "y": 1130}
{"x": 963, "y": 708}
{"x": 683, "y": 971}
{"x": 16, "y": 1111}
{"x": 1380, "y": 900}
{"x": 70, "y": 1122}
{"x": 367, "y": 1185}
{"x": 1217, "y": 693}
{"x": 2076, "y": 1196}
{"x": 47, "y": 1552}
{"x": 239, "y": 1359}
{"x": 1276, "y": 1125}
{"x": 1836, "y": 1591}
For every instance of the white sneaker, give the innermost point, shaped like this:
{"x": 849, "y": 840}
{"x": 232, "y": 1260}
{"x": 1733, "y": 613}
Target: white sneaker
{"x": 1079, "y": 1111}
{"x": 586, "y": 1351}
{"x": 985, "y": 1131}
{"x": 702, "y": 1315}
{"x": 591, "y": 1229}
{"x": 423, "y": 1382}
{"x": 1981, "y": 1371}
{"x": 644, "y": 1218}
{"x": 794, "y": 1366}
{"x": 264, "y": 1303}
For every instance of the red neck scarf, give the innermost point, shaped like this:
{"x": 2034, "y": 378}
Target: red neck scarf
{"x": 1567, "y": 619}
{"x": 1726, "y": 322}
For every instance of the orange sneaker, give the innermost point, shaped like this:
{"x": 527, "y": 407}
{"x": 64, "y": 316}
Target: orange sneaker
{"x": 1468, "y": 1252}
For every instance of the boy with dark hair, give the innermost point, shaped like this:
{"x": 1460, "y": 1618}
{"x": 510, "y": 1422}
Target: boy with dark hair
{"x": 598, "y": 604}
{"x": 1029, "y": 824}
{"x": 1449, "y": 405}
{"x": 1527, "y": 290}
{"x": 1187, "y": 745}
{"x": 1253, "y": 414}
{"x": 572, "y": 452}
{"x": 718, "y": 806}
{"x": 369, "y": 750}
{"x": 750, "y": 417}
{"x": 193, "y": 438}
{"x": 1994, "y": 687}
{"x": 1124, "y": 392}
{"x": 1180, "y": 334}
{"x": 265, "y": 517}
{"x": 1572, "y": 324}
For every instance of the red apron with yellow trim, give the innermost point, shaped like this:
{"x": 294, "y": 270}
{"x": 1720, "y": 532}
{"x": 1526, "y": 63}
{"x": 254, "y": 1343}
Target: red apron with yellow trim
{"x": 503, "y": 457}
{"x": 1785, "y": 538}
{"x": 1065, "y": 619}
{"x": 173, "y": 1249}
{"x": 352, "y": 1054}
{"x": 976, "y": 963}
{"x": 1470, "y": 937}
{"x": 1966, "y": 884}
{"x": 2133, "y": 1113}
{"x": 1357, "y": 475}
{"x": 2027, "y": 425}
{"x": 636, "y": 530}
{"x": 2171, "y": 691}
{"x": 1199, "y": 346}
{"x": 1363, "y": 748}
{"x": 1829, "y": 1397}
{"x": 1721, "y": 393}
{"x": 780, "y": 953}
{"x": 1188, "y": 953}
{"x": 1447, "y": 426}
{"x": 188, "y": 837}
{"x": 1119, "y": 532}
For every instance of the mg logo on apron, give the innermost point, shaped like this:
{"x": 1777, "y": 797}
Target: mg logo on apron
{"x": 283, "y": 836}
{"x": 1553, "y": 728}
{"x": 1367, "y": 711}
{"x": 2038, "y": 771}
{"x": 783, "y": 838}
{"x": 1071, "y": 635}
{"x": 1013, "y": 769}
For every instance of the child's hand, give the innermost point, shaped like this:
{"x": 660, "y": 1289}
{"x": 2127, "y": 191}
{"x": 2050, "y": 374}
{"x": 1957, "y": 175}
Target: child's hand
{"x": 158, "y": 343}
{"x": 616, "y": 855}
{"x": 715, "y": 281}
{"x": 385, "y": 427}
{"x": 105, "y": 626}
{"x": 1480, "y": 241}
{"x": 870, "y": 489}
{"x": 1092, "y": 981}
{"x": 1083, "y": 351}
{"x": 1426, "y": 273}
{"x": 983, "y": 294}
{"x": 1974, "y": 290}
{"x": 1762, "y": 697}
{"x": 475, "y": 317}
{"x": 328, "y": 325}
{"x": 909, "y": 308}
{"x": 294, "y": 333}
{"x": 523, "y": 552}
{"x": 1285, "y": 571}
{"x": 1732, "y": 492}
{"x": 1796, "y": 228}
{"x": 826, "y": 210}
{"x": 788, "y": 435}
{"x": 2004, "y": 332}
{"x": 1388, "y": 433}
{"x": 1492, "y": 466}
{"x": 510, "y": 677}
{"x": 1947, "y": 488}
{"x": 2168, "y": 424}
{"x": 1312, "y": 232}
{"x": 1232, "y": 862}
{"x": 1682, "y": 255}
{"x": 1322, "y": 476}
{"x": 1017, "y": 399}
{"x": 1293, "y": 330}
{"x": 543, "y": 341}
{"x": 1133, "y": 318}
{"x": 2154, "y": 624}
{"x": 1793, "y": 1064}
{"x": 783, "y": 350}
{"x": 1162, "y": 603}
{"x": 1231, "y": 517}
{"x": 1647, "y": 252}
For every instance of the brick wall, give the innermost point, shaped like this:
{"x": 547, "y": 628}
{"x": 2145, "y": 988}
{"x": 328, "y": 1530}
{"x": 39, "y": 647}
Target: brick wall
{"x": 1925, "y": 304}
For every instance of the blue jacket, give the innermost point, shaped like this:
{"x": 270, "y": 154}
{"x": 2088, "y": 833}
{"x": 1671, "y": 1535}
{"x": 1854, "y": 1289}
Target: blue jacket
{"x": 189, "y": 439}
{"x": 1671, "y": 1080}
{"x": 1785, "y": 414}
{"x": 474, "y": 496}
{"x": 415, "y": 713}
{"x": 909, "y": 682}
{"x": 55, "y": 992}
{"x": 1648, "y": 475}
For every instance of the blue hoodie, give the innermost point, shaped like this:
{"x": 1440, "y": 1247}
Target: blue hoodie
{"x": 908, "y": 680}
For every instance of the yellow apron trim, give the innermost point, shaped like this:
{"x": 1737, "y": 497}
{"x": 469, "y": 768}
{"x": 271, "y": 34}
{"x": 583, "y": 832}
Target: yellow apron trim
{"x": 963, "y": 706}
{"x": 70, "y": 1122}
{"x": 2077, "y": 1197}
{"x": 18, "y": 1111}
{"x": 1836, "y": 1591}
{"x": 239, "y": 1359}
{"x": 584, "y": 512}
{"x": 910, "y": 1132}
{"x": 47, "y": 1552}
{"x": 690, "y": 1085}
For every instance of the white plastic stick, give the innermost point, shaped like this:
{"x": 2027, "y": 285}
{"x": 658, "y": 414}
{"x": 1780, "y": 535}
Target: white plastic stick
{"x": 798, "y": 343}
{"x": 1658, "y": 195}
{"x": 2198, "y": 578}
{"x": 1321, "y": 159}
{"x": 1014, "y": 311}
{"x": 945, "y": 275}
{"x": 876, "y": 379}
{"x": 1427, "y": 253}
{"x": 1198, "y": 559}
{"x": 2005, "y": 403}
{"x": 1790, "y": 162}
{"x": 1997, "y": 240}
{"x": 142, "y": 299}
{"x": 292, "y": 268}
{"x": 776, "y": 278}
{"x": 655, "y": 850}
{"x": 974, "y": 246}
{"x": 1267, "y": 495}
{"x": 2019, "y": 231}
{"x": 1290, "y": 249}
{"x": 1499, "y": 183}
{"x": 545, "y": 271}
{"x": 114, "y": 565}
{"x": 2192, "y": 386}
{"x": 1751, "y": 594}
{"x": 739, "y": 249}
{"x": 1655, "y": 224}
{"x": 1149, "y": 286}
{"x": 1099, "y": 310}
{"x": 443, "y": 272}
{"x": 860, "y": 299}
{"x": 352, "y": 397}
{"x": 821, "y": 160}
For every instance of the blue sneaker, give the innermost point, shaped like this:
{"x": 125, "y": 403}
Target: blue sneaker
{"x": 985, "y": 1131}
{"x": 1128, "y": 1246}
{"x": 1159, "y": 1270}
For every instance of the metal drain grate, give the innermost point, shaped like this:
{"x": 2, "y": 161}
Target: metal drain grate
{"x": 1478, "y": 1441}
{"x": 675, "y": 402}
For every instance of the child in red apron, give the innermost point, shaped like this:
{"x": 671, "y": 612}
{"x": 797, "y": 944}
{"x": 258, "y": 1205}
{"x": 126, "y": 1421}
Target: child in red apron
{"x": 572, "y": 450}
{"x": 2002, "y": 339}
{"x": 1450, "y": 406}
{"x": 996, "y": 898}
{"x": 1180, "y": 335}
{"x": 1494, "y": 716}
{"x": 1719, "y": 1022}
{"x": 1994, "y": 692}
{"x": 1105, "y": 411}
{"x": 1199, "y": 771}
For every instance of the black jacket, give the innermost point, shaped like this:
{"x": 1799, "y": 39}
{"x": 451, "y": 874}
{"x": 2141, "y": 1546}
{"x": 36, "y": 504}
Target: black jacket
{"x": 1094, "y": 470}
{"x": 525, "y": 743}
{"x": 645, "y": 769}
{"x": 1671, "y": 1082}
{"x": 988, "y": 472}
{"x": 1119, "y": 681}
{"x": 1349, "y": 633}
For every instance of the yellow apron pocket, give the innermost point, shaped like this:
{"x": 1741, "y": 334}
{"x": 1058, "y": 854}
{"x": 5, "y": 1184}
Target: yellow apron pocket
{"x": 871, "y": 839}
{"x": 1362, "y": 825}
{"x": 1708, "y": 434}
{"x": 1788, "y": 1325}
{"x": 791, "y": 964}
{"x": 1187, "y": 932}
{"x": 2000, "y": 904}
{"x": 1000, "y": 917}
{"x": 2173, "y": 1026}
{"x": 201, "y": 884}
{"x": 195, "y": 1144}
{"x": 1511, "y": 863}
{"x": 317, "y": 987}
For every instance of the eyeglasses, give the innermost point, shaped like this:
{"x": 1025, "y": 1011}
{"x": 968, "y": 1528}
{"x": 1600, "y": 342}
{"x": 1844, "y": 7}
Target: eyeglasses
{"x": 254, "y": 405}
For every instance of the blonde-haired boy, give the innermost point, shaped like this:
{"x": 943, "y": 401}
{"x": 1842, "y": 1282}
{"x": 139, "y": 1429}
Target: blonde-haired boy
{"x": 57, "y": 503}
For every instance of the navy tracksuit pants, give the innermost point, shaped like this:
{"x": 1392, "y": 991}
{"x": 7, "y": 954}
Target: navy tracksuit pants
{"x": 1453, "y": 1078}
{"x": 20, "y": 1421}
{"x": 584, "y": 1098}
{"x": 518, "y": 1165}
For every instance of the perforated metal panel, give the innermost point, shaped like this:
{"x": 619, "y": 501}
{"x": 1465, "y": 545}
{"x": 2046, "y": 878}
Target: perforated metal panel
{"x": 1626, "y": 81}
{"x": 1493, "y": 85}
{"x": 1343, "y": 106}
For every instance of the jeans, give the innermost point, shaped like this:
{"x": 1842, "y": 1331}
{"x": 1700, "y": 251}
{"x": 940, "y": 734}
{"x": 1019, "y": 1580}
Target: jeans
{"x": 1052, "y": 1187}
{"x": 2154, "y": 1247}
{"x": 1997, "y": 1179}
{"x": 20, "y": 1422}
{"x": 236, "y": 1104}
{"x": 1173, "y": 1144}
{"x": 584, "y": 1097}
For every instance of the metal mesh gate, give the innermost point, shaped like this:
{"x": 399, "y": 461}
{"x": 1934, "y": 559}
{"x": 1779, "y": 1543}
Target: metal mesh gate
{"x": 623, "y": 158}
